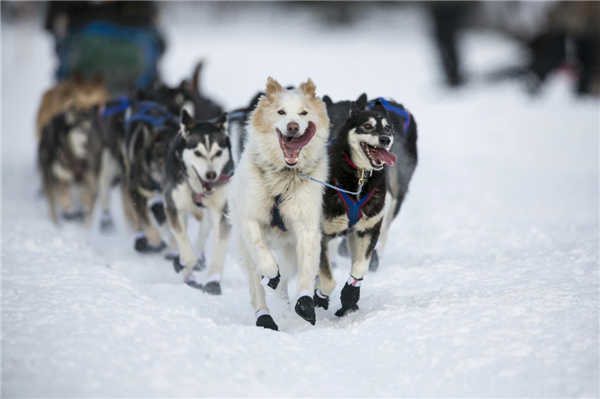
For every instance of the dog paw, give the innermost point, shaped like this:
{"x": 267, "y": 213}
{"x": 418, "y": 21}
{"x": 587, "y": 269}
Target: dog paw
{"x": 142, "y": 245}
{"x": 107, "y": 225}
{"x": 195, "y": 285}
{"x": 305, "y": 308}
{"x": 374, "y": 262}
{"x": 177, "y": 265}
{"x": 343, "y": 312}
{"x": 158, "y": 210}
{"x": 343, "y": 250}
{"x": 351, "y": 293}
{"x": 320, "y": 300}
{"x": 266, "y": 321}
{"x": 212, "y": 288}
{"x": 171, "y": 255}
{"x": 200, "y": 264}
{"x": 272, "y": 282}
{"x": 74, "y": 216}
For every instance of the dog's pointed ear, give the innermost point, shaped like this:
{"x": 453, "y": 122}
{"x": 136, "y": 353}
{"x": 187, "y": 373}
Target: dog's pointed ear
{"x": 361, "y": 101}
{"x": 308, "y": 88}
{"x": 186, "y": 122}
{"x": 186, "y": 85}
{"x": 327, "y": 101}
{"x": 354, "y": 110}
{"x": 273, "y": 87}
{"x": 221, "y": 122}
{"x": 378, "y": 107}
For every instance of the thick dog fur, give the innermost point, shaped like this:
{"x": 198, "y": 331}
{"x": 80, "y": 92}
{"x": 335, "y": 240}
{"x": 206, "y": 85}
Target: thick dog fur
{"x": 145, "y": 147}
{"x": 349, "y": 163}
{"x": 81, "y": 93}
{"x": 197, "y": 168}
{"x": 261, "y": 176}
{"x": 69, "y": 156}
{"x": 188, "y": 95}
{"x": 405, "y": 150}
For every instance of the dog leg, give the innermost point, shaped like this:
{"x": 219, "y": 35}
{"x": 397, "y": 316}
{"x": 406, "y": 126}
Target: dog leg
{"x": 187, "y": 257}
{"x": 63, "y": 191}
{"x": 256, "y": 245}
{"x": 107, "y": 174}
{"x": 206, "y": 223}
{"x": 257, "y": 291}
{"x": 148, "y": 240}
{"x": 390, "y": 205}
{"x": 326, "y": 282}
{"x": 221, "y": 239}
{"x": 129, "y": 210}
{"x": 362, "y": 244}
{"x": 51, "y": 193}
{"x": 307, "y": 250}
{"x": 89, "y": 197}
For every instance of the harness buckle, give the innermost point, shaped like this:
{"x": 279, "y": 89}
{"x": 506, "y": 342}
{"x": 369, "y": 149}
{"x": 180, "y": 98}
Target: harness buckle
{"x": 361, "y": 181}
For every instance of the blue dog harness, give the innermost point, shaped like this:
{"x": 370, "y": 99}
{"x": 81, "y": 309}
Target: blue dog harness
{"x": 397, "y": 110}
{"x": 121, "y": 106}
{"x": 277, "y": 220}
{"x": 354, "y": 208}
{"x": 153, "y": 113}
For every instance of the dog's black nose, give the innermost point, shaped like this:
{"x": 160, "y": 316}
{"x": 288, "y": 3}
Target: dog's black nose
{"x": 211, "y": 175}
{"x": 385, "y": 140}
{"x": 293, "y": 128}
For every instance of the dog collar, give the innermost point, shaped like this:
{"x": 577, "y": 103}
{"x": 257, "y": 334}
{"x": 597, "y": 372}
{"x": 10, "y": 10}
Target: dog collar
{"x": 363, "y": 174}
{"x": 349, "y": 161}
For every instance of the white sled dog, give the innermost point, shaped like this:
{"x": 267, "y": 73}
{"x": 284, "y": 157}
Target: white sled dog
{"x": 272, "y": 206}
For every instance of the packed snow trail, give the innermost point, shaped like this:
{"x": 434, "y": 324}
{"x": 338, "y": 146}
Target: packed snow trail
{"x": 488, "y": 287}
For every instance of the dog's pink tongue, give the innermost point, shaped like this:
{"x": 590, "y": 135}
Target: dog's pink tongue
{"x": 299, "y": 142}
{"x": 384, "y": 154}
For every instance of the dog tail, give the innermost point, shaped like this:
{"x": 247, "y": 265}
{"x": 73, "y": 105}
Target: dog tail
{"x": 196, "y": 77}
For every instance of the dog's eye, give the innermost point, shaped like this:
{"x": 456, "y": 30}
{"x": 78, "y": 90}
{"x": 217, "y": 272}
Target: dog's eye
{"x": 281, "y": 112}
{"x": 218, "y": 154}
{"x": 197, "y": 153}
{"x": 303, "y": 113}
{"x": 367, "y": 126}
{"x": 387, "y": 128}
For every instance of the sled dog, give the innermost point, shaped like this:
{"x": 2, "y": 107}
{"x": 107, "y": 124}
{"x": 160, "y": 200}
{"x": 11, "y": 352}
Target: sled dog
{"x": 68, "y": 158}
{"x": 274, "y": 210}
{"x": 149, "y": 127}
{"x": 398, "y": 175}
{"x": 357, "y": 158}
{"x": 198, "y": 165}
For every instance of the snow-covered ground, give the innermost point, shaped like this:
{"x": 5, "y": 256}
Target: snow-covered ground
{"x": 489, "y": 286}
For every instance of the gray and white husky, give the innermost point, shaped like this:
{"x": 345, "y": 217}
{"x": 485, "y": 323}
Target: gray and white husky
{"x": 272, "y": 206}
{"x": 69, "y": 158}
{"x": 197, "y": 167}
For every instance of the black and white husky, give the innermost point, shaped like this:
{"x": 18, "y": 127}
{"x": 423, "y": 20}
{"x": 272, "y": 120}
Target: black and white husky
{"x": 272, "y": 206}
{"x": 404, "y": 149}
{"x": 149, "y": 128}
{"x": 357, "y": 158}
{"x": 198, "y": 165}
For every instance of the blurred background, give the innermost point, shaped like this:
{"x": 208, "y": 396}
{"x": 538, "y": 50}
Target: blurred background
{"x": 138, "y": 42}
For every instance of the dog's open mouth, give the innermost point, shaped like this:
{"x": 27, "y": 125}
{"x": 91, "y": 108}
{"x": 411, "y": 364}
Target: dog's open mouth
{"x": 378, "y": 155}
{"x": 292, "y": 145}
{"x": 207, "y": 187}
